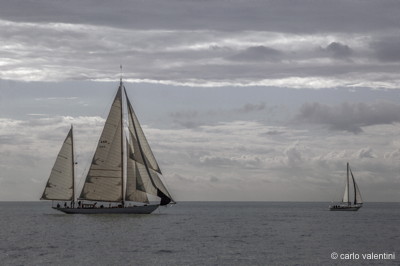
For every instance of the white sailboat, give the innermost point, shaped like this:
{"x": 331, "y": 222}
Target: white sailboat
{"x": 105, "y": 181}
{"x": 347, "y": 204}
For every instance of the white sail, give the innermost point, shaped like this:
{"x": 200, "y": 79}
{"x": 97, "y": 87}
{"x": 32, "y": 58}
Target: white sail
{"x": 104, "y": 179}
{"x": 346, "y": 193}
{"x": 60, "y": 185}
{"x": 346, "y": 196}
{"x": 147, "y": 154}
{"x": 159, "y": 184}
{"x": 152, "y": 183}
{"x": 357, "y": 194}
{"x": 135, "y": 190}
{"x": 146, "y": 163}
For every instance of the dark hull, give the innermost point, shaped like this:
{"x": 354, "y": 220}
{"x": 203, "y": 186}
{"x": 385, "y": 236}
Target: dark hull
{"x": 345, "y": 208}
{"x": 127, "y": 210}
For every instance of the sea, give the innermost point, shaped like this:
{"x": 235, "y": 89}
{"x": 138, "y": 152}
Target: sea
{"x": 202, "y": 233}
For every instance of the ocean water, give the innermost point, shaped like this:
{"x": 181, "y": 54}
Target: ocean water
{"x": 201, "y": 233}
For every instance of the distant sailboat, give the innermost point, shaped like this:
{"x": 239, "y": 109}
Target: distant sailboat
{"x": 106, "y": 181}
{"x": 347, "y": 204}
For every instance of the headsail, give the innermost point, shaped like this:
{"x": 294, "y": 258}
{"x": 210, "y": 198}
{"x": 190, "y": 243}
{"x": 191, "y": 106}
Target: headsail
{"x": 104, "y": 180}
{"x": 145, "y": 162}
{"x": 135, "y": 190}
{"x": 60, "y": 185}
{"x": 357, "y": 194}
{"x": 137, "y": 131}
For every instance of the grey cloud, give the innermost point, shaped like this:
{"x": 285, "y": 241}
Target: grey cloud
{"x": 284, "y": 15}
{"x": 214, "y": 179}
{"x": 338, "y": 50}
{"x": 224, "y": 161}
{"x": 365, "y": 153}
{"x": 257, "y": 53}
{"x": 349, "y": 117}
{"x": 387, "y": 50}
{"x": 194, "y": 118}
{"x": 249, "y": 107}
{"x": 272, "y": 133}
{"x": 53, "y": 52}
{"x": 394, "y": 155}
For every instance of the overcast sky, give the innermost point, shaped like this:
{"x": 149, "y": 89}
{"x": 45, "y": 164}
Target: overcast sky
{"x": 240, "y": 100}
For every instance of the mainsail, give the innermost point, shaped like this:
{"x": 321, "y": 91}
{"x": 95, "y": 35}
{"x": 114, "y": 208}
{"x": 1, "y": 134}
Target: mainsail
{"x": 60, "y": 185}
{"x": 346, "y": 196}
{"x": 104, "y": 180}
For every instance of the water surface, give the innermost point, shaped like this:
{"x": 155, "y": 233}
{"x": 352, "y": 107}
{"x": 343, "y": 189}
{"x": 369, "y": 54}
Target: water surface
{"x": 199, "y": 233}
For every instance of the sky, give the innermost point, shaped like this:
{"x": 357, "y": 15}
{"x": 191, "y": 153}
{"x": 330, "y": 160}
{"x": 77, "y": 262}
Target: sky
{"x": 240, "y": 100}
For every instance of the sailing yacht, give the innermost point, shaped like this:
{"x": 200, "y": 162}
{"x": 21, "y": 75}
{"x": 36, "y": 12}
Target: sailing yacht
{"x": 106, "y": 181}
{"x": 347, "y": 204}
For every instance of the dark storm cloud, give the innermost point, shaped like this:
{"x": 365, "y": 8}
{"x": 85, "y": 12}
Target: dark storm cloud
{"x": 349, "y": 117}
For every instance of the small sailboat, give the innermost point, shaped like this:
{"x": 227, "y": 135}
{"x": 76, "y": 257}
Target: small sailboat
{"x": 122, "y": 174}
{"x": 347, "y": 204}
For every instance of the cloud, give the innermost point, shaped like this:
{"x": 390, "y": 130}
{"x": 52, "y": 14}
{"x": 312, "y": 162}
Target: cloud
{"x": 338, "y": 50}
{"x": 351, "y": 117}
{"x": 283, "y": 16}
{"x": 293, "y": 154}
{"x": 249, "y": 107}
{"x": 214, "y": 159}
{"x": 364, "y": 153}
{"x": 387, "y": 50}
{"x": 194, "y": 118}
{"x": 243, "y": 161}
{"x": 59, "y": 48}
{"x": 257, "y": 53}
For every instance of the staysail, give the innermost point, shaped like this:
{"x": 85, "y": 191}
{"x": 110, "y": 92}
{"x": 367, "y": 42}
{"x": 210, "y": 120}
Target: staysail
{"x": 104, "y": 180}
{"x": 145, "y": 163}
{"x": 60, "y": 185}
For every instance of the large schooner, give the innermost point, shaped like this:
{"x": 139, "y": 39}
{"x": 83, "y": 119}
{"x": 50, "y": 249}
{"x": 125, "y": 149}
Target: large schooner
{"x": 347, "y": 204}
{"x": 106, "y": 181}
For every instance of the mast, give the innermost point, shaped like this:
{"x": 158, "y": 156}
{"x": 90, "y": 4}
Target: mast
{"x": 348, "y": 195}
{"x": 122, "y": 143}
{"x": 73, "y": 165}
